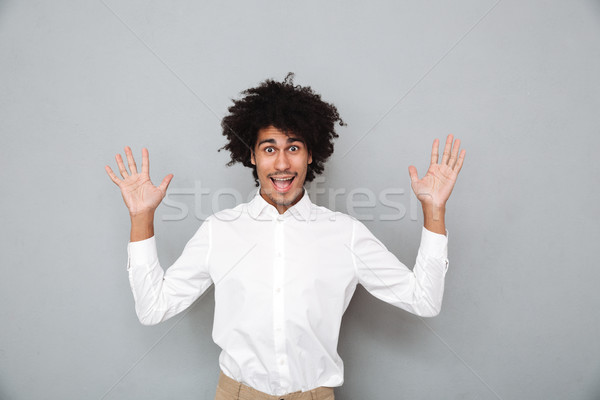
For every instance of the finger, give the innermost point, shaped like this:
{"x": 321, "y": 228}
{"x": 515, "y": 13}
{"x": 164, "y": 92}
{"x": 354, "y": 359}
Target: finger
{"x": 121, "y": 166}
{"x": 412, "y": 172}
{"x": 434, "y": 152}
{"x": 460, "y": 161}
{"x": 112, "y": 175}
{"x": 454, "y": 154}
{"x": 130, "y": 160}
{"x": 145, "y": 162}
{"x": 447, "y": 147}
{"x": 165, "y": 183}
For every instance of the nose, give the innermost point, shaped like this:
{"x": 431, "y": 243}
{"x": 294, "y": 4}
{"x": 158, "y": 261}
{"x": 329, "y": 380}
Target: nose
{"x": 282, "y": 163}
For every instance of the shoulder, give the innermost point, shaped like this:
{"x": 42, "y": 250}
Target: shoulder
{"x": 229, "y": 214}
{"x": 323, "y": 213}
{"x": 342, "y": 221}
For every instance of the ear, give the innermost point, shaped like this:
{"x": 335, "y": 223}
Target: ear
{"x": 310, "y": 157}
{"x": 252, "y": 160}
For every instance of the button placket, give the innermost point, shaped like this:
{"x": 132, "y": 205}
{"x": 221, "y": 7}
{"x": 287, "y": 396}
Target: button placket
{"x": 278, "y": 302}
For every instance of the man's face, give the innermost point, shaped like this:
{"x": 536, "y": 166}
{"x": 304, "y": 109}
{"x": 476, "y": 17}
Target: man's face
{"x": 281, "y": 163}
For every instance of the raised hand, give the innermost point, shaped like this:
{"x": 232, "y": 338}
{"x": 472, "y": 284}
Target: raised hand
{"x": 435, "y": 187}
{"x": 139, "y": 194}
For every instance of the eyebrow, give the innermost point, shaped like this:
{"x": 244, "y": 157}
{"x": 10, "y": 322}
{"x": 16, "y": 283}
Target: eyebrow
{"x": 289, "y": 140}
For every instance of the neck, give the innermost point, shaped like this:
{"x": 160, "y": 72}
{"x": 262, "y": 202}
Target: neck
{"x": 281, "y": 207}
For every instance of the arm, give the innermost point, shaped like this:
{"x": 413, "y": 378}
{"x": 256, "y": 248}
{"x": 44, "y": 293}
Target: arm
{"x": 419, "y": 291}
{"x": 158, "y": 294}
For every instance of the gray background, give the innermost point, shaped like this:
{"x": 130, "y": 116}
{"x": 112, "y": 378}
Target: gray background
{"x": 516, "y": 81}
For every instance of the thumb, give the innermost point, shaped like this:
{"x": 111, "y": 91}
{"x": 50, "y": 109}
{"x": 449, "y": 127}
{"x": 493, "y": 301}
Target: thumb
{"x": 412, "y": 171}
{"x": 165, "y": 183}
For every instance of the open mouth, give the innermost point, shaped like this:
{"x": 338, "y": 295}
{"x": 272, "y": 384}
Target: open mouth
{"x": 282, "y": 184}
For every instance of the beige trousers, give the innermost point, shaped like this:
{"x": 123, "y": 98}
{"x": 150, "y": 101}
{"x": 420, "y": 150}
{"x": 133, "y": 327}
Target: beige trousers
{"x": 230, "y": 389}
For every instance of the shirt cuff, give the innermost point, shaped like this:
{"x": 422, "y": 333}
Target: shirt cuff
{"x": 434, "y": 244}
{"x": 142, "y": 252}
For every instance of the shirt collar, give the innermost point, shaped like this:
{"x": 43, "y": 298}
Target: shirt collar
{"x": 300, "y": 210}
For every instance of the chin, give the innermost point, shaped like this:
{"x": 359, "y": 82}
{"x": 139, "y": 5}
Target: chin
{"x": 284, "y": 199}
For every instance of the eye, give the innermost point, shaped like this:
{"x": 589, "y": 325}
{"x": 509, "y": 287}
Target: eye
{"x": 294, "y": 148}
{"x": 269, "y": 149}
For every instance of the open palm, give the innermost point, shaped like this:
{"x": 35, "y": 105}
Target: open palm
{"x": 437, "y": 184}
{"x": 138, "y": 192}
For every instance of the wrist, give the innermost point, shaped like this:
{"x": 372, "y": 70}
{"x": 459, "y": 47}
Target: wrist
{"x": 431, "y": 207}
{"x": 142, "y": 226}
{"x": 434, "y": 218}
{"x": 147, "y": 215}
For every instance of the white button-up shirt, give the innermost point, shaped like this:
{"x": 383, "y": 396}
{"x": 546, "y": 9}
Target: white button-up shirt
{"x": 282, "y": 284}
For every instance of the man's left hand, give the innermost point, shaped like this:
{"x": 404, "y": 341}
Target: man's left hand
{"x": 435, "y": 187}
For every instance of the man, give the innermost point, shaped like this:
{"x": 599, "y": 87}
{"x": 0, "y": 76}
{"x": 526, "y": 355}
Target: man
{"x": 284, "y": 268}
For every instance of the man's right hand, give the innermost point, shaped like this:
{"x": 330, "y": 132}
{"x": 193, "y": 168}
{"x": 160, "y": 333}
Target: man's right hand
{"x": 139, "y": 194}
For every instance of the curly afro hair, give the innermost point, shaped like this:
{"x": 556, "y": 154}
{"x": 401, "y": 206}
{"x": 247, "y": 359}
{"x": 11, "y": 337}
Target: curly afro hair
{"x": 288, "y": 107}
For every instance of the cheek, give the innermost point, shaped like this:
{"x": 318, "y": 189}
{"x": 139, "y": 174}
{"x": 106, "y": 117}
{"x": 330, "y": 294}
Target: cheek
{"x": 261, "y": 172}
{"x": 261, "y": 166}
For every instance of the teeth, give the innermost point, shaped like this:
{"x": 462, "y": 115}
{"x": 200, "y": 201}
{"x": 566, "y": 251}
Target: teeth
{"x": 280, "y": 179}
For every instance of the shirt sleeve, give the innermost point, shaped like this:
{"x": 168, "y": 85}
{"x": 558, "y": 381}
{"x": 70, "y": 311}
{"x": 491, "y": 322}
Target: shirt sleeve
{"x": 419, "y": 291}
{"x": 159, "y": 295}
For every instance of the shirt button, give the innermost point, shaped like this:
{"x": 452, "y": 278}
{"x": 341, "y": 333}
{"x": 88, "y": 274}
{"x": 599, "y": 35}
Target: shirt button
{"x": 281, "y": 361}
{"x": 278, "y": 290}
